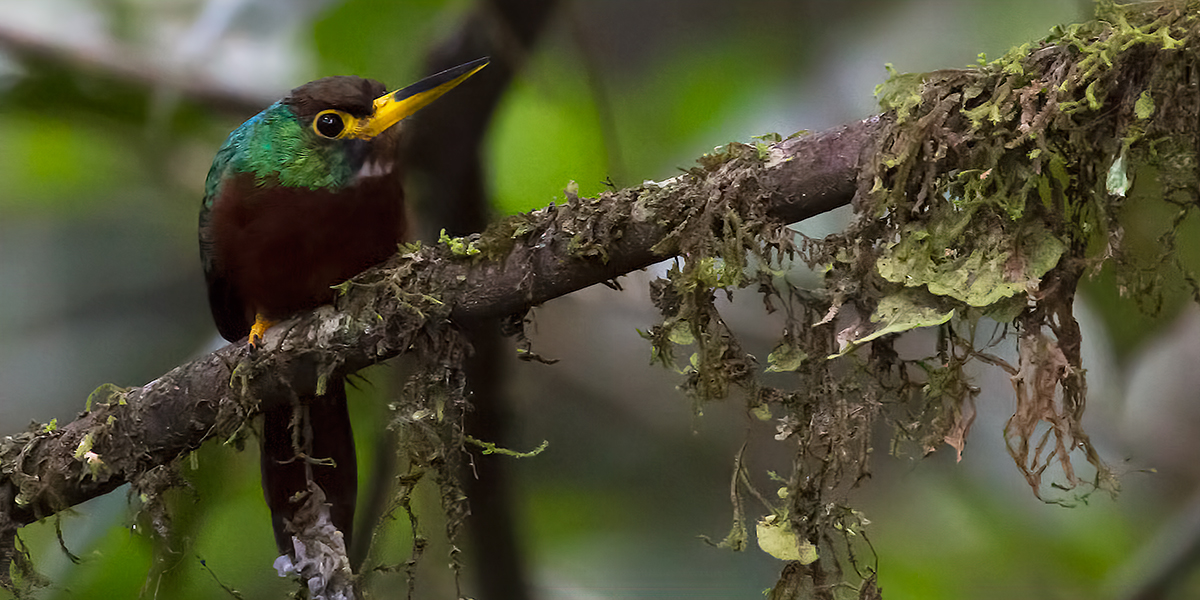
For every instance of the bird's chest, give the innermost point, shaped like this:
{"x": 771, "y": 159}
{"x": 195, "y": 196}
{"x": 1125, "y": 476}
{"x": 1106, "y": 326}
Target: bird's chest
{"x": 284, "y": 247}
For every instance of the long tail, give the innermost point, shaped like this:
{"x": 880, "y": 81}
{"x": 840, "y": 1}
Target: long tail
{"x": 284, "y": 474}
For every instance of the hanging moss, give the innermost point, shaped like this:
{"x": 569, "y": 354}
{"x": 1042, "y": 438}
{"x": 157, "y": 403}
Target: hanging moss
{"x": 1001, "y": 186}
{"x": 993, "y": 192}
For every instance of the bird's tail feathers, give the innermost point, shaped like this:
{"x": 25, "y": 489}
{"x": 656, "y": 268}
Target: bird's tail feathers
{"x": 307, "y": 444}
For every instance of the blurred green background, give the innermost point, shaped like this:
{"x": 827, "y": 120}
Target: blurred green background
{"x": 100, "y": 282}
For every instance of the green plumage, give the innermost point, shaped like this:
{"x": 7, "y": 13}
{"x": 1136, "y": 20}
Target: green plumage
{"x": 278, "y": 149}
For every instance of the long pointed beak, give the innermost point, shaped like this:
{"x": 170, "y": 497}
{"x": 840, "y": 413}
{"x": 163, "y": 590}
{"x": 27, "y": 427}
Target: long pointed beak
{"x": 393, "y": 107}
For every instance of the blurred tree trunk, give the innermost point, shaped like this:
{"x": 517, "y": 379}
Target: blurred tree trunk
{"x": 443, "y": 152}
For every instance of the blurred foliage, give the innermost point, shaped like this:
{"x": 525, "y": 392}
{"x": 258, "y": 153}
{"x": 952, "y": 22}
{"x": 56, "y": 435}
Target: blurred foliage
{"x": 546, "y": 134}
{"x": 65, "y": 186}
{"x": 398, "y": 33}
{"x": 102, "y": 283}
{"x": 995, "y": 553}
{"x": 1149, "y": 220}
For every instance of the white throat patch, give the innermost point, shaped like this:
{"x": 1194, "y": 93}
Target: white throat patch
{"x": 373, "y": 168}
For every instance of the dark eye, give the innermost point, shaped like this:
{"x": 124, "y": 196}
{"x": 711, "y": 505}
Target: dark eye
{"x": 329, "y": 124}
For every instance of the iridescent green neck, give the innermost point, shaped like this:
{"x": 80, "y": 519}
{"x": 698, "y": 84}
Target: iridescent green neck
{"x": 280, "y": 150}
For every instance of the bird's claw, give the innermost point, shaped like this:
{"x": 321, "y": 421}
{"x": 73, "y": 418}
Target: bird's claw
{"x": 259, "y": 330}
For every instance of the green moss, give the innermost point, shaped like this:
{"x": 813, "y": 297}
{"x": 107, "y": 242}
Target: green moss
{"x": 105, "y": 394}
{"x": 459, "y": 246}
{"x": 997, "y": 188}
{"x": 991, "y": 193}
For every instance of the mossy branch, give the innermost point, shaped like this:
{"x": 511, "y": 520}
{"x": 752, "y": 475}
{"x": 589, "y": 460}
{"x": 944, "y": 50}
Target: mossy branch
{"x": 525, "y": 260}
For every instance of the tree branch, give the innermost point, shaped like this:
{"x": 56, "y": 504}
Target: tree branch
{"x": 805, "y": 176}
{"x": 48, "y": 60}
{"x": 128, "y": 433}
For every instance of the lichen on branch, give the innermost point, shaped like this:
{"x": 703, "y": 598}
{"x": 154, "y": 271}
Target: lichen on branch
{"x": 1001, "y": 186}
{"x": 990, "y": 193}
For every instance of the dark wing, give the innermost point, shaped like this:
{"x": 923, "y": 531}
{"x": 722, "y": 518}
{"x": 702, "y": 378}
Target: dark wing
{"x": 224, "y": 299}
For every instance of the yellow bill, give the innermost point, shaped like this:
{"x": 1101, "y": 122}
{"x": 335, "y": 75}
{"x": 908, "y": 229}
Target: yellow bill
{"x": 393, "y": 107}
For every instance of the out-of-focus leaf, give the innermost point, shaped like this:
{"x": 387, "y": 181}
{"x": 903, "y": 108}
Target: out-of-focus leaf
{"x": 542, "y": 139}
{"x": 688, "y": 101}
{"x": 378, "y": 38}
{"x": 49, "y": 164}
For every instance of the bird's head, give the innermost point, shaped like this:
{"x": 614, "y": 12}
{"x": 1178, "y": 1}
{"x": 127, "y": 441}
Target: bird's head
{"x": 329, "y": 132}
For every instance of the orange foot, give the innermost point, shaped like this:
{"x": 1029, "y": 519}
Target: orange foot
{"x": 259, "y": 330}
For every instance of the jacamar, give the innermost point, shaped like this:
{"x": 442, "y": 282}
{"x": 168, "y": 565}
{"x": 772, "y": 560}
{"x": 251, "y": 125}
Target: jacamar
{"x": 303, "y": 196}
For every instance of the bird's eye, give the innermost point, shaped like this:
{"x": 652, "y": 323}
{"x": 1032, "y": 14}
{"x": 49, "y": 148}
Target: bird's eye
{"x": 329, "y": 123}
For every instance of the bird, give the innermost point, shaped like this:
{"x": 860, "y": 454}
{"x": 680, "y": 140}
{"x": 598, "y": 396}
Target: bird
{"x": 302, "y": 197}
